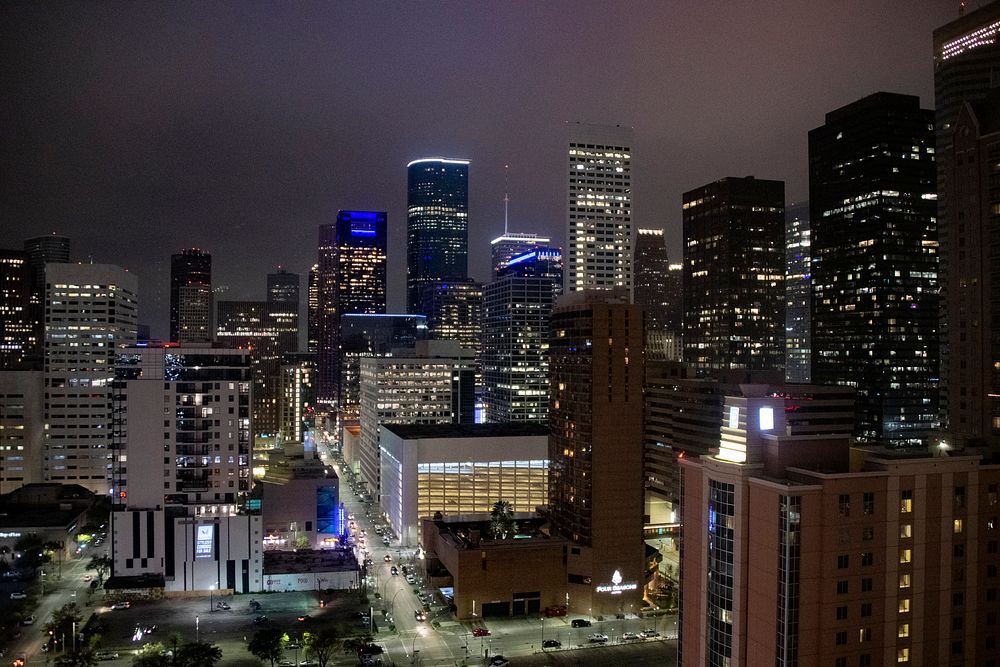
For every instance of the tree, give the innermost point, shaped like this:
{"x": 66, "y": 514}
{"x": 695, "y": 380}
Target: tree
{"x": 320, "y": 645}
{"x": 502, "y": 523}
{"x": 102, "y": 565}
{"x": 267, "y": 644}
{"x": 152, "y": 655}
{"x": 84, "y": 657}
{"x": 61, "y": 624}
{"x": 197, "y": 654}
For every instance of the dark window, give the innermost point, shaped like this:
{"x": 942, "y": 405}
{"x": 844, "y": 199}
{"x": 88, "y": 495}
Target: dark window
{"x": 869, "y": 503}
{"x": 842, "y": 613}
{"x": 842, "y": 638}
{"x": 844, "y": 503}
{"x": 842, "y": 561}
{"x": 866, "y": 608}
{"x": 866, "y": 584}
{"x": 842, "y": 587}
{"x": 867, "y": 559}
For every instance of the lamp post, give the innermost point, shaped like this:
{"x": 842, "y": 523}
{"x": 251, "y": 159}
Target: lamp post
{"x": 211, "y": 600}
{"x": 197, "y": 630}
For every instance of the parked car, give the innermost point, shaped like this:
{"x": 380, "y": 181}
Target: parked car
{"x": 499, "y": 661}
{"x": 649, "y": 633}
{"x": 580, "y": 623}
{"x": 551, "y": 643}
{"x": 598, "y": 638}
{"x": 121, "y": 605}
{"x": 260, "y": 620}
{"x": 106, "y": 655}
{"x": 18, "y": 595}
{"x": 629, "y": 636}
{"x": 410, "y": 579}
{"x": 28, "y": 620}
{"x": 480, "y": 632}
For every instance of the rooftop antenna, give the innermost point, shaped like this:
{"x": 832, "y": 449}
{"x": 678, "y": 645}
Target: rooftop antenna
{"x": 506, "y": 197}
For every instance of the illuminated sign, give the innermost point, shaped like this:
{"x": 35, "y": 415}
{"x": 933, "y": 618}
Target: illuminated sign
{"x": 734, "y": 417}
{"x": 616, "y": 587}
{"x": 4, "y": 536}
{"x": 204, "y": 541}
{"x": 766, "y": 419}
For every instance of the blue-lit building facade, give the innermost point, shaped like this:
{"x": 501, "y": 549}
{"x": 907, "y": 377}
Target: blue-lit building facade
{"x": 517, "y": 307}
{"x": 437, "y": 226}
{"x": 351, "y": 278}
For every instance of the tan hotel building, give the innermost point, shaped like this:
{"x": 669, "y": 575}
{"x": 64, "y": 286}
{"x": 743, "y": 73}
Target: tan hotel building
{"x": 857, "y": 557}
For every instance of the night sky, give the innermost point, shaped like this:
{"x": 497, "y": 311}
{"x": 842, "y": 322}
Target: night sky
{"x": 140, "y": 128}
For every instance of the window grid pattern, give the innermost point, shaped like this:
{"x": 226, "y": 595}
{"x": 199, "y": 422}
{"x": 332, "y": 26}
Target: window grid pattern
{"x": 468, "y": 487}
{"x": 721, "y": 511}
{"x": 790, "y": 527}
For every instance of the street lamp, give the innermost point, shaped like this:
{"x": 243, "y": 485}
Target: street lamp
{"x": 197, "y": 630}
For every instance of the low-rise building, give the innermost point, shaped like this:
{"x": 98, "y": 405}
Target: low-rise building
{"x": 300, "y": 505}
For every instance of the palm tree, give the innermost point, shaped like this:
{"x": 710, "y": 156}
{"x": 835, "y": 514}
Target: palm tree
{"x": 502, "y": 522}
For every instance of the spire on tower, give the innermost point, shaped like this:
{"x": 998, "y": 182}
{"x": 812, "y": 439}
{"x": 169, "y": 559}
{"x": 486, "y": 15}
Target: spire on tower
{"x": 506, "y": 197}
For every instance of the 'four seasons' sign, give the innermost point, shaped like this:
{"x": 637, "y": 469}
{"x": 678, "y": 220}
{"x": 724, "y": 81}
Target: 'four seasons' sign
{"x": 616, "y": 587}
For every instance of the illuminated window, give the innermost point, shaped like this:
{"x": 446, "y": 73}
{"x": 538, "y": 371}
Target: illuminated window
{"x": 958, "y": 525}
{"x": 905, "y": 530}
{"x": 766, "y": 419}
{"x": 905, "y": 556}
{"x": 904, "y": 605}
{"x": 904, "y": 630}
{"x": 903, "y": 655}
{"x": 904, "y": 581}
{"x": 906, "y": 501}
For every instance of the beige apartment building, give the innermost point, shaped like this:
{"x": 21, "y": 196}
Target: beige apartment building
{"x": 857, "y": 557}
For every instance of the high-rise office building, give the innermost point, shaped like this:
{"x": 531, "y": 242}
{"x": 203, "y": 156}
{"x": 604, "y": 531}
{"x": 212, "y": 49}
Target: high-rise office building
{"x": 798, "y": 294}
{"x": 734, "y": 275}
{"x": 191, "y": 296}
{"x": 247, "y": 325}
{"x": 454, "y": 312}
{"x": 432, "y": 383}
{"x": 511, "y": 244}
{"x": 599, "y": 207}
{"x": 312, "y": 306}
{"x": 42, "y": 250}
{"x": 351, "y": 279}
{"x": 283, "y": 308}
{"x": 653, "y": 281}
{"x": 596, "y": 449}
{"x": 18, "y": 330}
{"x": 22, "y": 428}
{"x": 874, "y": 264}
{"x": 181, "y": 479}
{"x": 371, "y": 335}
{"x": 90, "y": 310}
{"x": 966, "y": 71}
{"x": 517, "y": 307}
{"x": 799, "y": 551}
{"x": 972, "y": 188}
{"x": 297, "y": 403}
{"x": 437, "y": 226}
{"x": 966, "y": 62}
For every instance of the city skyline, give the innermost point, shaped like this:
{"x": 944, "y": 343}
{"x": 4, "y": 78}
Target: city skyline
{"x": 272, "y": 200}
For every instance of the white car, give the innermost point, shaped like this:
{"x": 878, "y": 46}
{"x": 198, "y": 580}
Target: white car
{"x": 18, "y": 595}
{"x": 28, "y": 620}
{"x": 598, "y": 638}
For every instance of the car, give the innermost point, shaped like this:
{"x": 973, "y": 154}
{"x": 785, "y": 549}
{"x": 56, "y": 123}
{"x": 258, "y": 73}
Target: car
{"x": 260, "y": 620}
{"x": 555, "y": 610}
{"x": 394, "y": 570}
{"x": 285, "y": 663}
{"x": 419, "y": 615}
{"x": 106, "y": 655}
{"x": 386, "y": 541}
{"x": 304, "y": 618}
{"x": 18, "y": 595}
{"x": 224, "y": 606}
{"x": 649, "y": 634}
{"x": 598, "y": 638}
{"x": 149, "y": 629}
{"x": 88, "y": 577}
{"x": 28, "y": 620}
{"x": 499, "y": 661}
{"x": 410, "y": 579}
{"x": 405, "y": 570}
{"x": 387, "y": 558}
{"x": 551, "y": 643}
{"x": 629, "y": 636}
{"x": 580, "y": 623}
{"x": 480, "y": 632}
{"x": 308, "y": 662}
{"x": 371, "y": 649}
{"x": 121, "y": 605}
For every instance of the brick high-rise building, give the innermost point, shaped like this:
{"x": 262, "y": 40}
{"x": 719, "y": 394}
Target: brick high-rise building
{"x": 191, "y": 296}
{"x": 596, "y": 449}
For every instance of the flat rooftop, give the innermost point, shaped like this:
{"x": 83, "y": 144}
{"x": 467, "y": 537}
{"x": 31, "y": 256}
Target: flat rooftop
{"x": 511, "y": 430}
{"x": 296, "y": 562}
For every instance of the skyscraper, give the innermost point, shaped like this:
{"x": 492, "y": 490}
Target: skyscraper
{"x": 734, "y": 275}
{"x": 798, "y": 294}
{"x": 437, "y": 225}
{"x": 42, "y": 250}
{"x": 658, "y": 293}
{"x": 283, "y": 308}
{"x": 511, "y": 244}
{"x": 351, "y": 278}
{"x": 18, "y": 345}
{"x": 599, "y": 207}
{"x": 874, "y": 264}
{"x": 90, "y": 310}
{"x": 596, "y": 447}
{"x": 312, "y": 316}
{"x": 972, "y": 188}
{"x": 517, "y": 307}
{"x": 191, "y": 296}
{"x": 454, "y": 312}
{"x": 966, "y": 70}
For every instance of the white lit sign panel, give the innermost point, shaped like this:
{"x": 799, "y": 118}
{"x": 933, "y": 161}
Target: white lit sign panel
{"x": 616, "y": 587}
{"x": 734, "y": 417}
{"x": 204, "y": 541}
{"x": 766, "y": 419}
